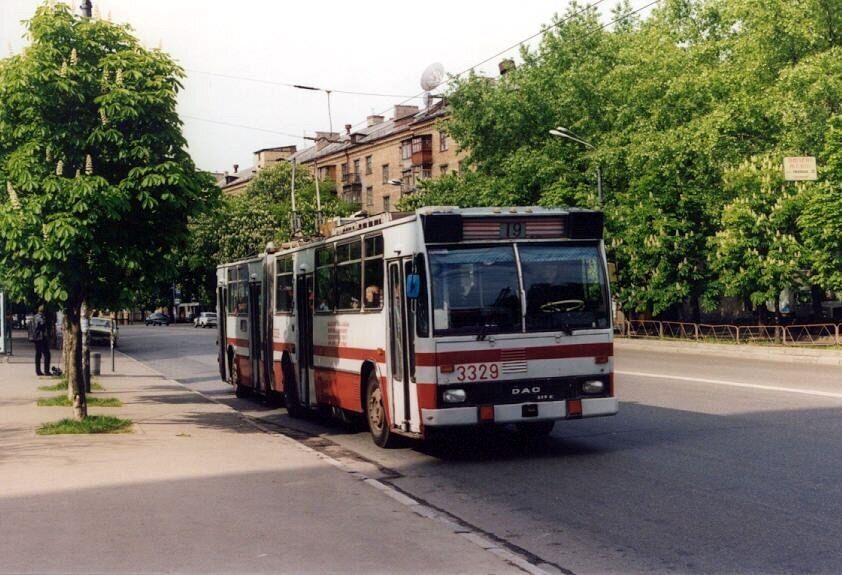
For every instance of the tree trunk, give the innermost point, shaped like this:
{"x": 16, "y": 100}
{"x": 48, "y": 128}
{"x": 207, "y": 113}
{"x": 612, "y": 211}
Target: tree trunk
{"x": 86, "y": 347}
{"x": 73, "y": 353}
{"x": 695, "y": 309}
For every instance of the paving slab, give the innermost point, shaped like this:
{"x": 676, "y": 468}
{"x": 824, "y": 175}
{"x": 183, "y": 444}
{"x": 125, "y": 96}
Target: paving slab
{"x": 194, "y": 488}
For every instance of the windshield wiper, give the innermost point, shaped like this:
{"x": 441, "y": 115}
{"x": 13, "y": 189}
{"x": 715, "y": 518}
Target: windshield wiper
{"x": 483, "y": 331}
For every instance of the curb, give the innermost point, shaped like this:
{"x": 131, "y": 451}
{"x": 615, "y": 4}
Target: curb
{"x": 769, "y": 353}
{"x": 513, "y": 555}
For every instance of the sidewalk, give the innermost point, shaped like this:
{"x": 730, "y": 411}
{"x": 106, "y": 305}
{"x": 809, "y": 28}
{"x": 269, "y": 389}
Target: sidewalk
{"x": 196, "y": 488}
{"x": 788, "y": 354}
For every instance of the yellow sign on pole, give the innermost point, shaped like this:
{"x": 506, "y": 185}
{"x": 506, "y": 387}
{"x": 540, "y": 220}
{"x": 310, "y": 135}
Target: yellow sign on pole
{"x": 800, "y": 168}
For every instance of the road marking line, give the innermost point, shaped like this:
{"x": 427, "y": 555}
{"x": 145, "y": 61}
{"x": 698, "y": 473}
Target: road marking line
{"x": 732, "y": 383}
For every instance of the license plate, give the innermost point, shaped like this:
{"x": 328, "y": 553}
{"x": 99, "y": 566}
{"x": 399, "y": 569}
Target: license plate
{"x": 529, "y": 410}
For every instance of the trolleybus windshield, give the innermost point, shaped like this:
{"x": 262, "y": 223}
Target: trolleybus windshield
{"x": 476, "y": 290}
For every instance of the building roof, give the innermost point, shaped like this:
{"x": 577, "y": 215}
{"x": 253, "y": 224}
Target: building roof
{"x": 370, "y": 134}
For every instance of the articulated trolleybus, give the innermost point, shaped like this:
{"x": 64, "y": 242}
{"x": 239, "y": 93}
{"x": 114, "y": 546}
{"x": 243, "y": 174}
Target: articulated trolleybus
{"x": 428, "y": 321}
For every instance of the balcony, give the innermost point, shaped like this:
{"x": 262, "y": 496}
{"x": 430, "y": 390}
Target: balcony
{"x": 352, "y": 184}
{"x": 422, "y": 150}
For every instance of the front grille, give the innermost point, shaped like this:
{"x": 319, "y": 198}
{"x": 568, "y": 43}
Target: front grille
{"x": 513, "y": 361}
{"x": 521, "y": 391}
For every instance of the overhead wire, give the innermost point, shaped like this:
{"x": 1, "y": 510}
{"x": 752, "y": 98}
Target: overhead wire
{"x": 421, "y": 94}
{"x": 298, "y": 86}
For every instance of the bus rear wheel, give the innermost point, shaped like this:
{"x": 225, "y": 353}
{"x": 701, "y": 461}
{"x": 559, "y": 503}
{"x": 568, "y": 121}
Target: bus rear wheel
{"x": 239, "y": 390}
{"x": 375, "y": 413}
{"x": 294, "y": 407}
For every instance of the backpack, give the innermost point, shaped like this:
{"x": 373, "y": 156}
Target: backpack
{"x": 36, "y": 329}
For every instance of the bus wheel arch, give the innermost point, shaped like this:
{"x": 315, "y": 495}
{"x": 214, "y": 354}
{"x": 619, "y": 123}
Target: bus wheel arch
{"x": 376, "y": 414}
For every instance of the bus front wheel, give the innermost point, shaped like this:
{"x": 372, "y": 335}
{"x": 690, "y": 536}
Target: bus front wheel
{"x": 376, "y": 415}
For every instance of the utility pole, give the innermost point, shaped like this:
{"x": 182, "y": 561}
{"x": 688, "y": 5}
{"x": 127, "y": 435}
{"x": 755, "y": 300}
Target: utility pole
{"x": 86, "y": 8}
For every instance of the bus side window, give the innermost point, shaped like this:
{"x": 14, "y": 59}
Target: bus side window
{"x": 325, "y": 279}
{"x": 284, "y": 301}
{"x": 373, "y": 273}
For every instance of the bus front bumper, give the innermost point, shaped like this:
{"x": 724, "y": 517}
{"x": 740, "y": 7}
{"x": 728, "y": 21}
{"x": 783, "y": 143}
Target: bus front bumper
{"x": 514, "y": 412}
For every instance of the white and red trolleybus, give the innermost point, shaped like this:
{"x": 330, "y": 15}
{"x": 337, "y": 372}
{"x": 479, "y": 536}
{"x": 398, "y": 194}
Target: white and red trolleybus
{"x": 430, "y": 320}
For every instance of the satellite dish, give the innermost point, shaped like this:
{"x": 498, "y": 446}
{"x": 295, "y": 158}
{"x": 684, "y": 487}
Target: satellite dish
{"x": 432, "y": 76}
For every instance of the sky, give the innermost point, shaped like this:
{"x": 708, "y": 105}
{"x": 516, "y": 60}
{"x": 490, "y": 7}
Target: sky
{"x": 373, "y": 46}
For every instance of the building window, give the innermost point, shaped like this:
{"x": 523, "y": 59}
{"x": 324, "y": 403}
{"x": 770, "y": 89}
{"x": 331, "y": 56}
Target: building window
{"x": 407, "y": 181}
{"x": 345, "y": 169}
{"x": 385, "y": 173}
{"x": 357, "y": 167}
{"x": 369, "y": 196}
{"x": 426, "y": 173}
{"x": 387, "y": 203}
{"x": 442, "y": 141}
{"x": 369, "y": 168}
{"x": 443, "y": 169}
{"x": 406, "y": 149}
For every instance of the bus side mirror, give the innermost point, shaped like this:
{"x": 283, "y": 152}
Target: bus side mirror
{"x": 413, "y": 286}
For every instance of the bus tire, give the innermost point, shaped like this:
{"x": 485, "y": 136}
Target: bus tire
{"x": 535, "y": 428}
{"x": 375, "y": 414}
{"x": 294, "y": 407}
{"x": 239, "y": 390}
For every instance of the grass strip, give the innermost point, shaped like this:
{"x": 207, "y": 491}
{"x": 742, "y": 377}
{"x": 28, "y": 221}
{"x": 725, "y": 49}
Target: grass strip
{"x": 91, "y": 424}
{"x": 63, "y": 401}
{"x": 62, "y": 386}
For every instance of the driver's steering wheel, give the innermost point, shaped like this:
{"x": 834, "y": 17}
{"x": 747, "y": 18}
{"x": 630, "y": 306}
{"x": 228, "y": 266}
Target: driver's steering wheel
{"x": 562, "y": 305}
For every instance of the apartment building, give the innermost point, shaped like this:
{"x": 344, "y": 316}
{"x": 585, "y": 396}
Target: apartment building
{"x": 234, "y": 183}
{"x": 380, "y": 163}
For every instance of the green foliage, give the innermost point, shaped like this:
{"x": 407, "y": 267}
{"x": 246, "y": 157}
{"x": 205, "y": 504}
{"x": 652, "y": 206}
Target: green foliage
{"x": 757, "y": 252}
{"x": 241, "y": 226}
{"x": 684, "y": 110}
{"x": 96, "y": 184}
{"x": 91, "y": 424}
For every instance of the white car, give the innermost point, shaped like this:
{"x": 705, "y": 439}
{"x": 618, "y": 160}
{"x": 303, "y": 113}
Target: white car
{"x": 205, "y": 319}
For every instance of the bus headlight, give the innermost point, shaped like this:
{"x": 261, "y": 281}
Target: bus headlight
{"x": 454, "y": 396}
{"x": 593, "y": 386}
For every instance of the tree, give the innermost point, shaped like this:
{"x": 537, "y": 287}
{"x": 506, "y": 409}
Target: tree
{"x": 241, "y": 226}
{"x": 671, "y": 105}
{"x": 758, "y": 251}
{"x": 99, "y": 185}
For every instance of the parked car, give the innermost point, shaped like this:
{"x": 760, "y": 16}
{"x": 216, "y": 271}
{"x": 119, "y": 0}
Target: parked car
{"x": 205, "y": 319}
{"x": 157, "y": 318}
{"x": 99, "y": 329}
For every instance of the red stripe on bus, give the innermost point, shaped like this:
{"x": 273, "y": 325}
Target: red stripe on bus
{"x": 338, "y": 388}
{"x": 349, "y": 352}
{"x": 494, "y": 355}
{"x": 238, "y": 342}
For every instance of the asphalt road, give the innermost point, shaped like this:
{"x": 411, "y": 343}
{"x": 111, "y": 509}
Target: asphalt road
{"x": 714, "y": 465}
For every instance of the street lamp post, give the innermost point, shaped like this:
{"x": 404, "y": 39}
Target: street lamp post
{"x": 562, "y": 132}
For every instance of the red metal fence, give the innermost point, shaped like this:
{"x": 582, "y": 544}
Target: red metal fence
{"x": 823, "y": 334}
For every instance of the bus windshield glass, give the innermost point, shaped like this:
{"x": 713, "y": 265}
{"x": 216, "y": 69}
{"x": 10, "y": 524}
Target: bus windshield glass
{"x": 565, "y": 287}
{"x": 475, "y": 290}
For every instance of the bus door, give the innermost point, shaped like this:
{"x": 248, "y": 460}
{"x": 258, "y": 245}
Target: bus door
{"x": 401, "y": 344}
{"x": 222, "y": 330}
{"x": 304, "y": 353}
{"x": 255, "y": 334}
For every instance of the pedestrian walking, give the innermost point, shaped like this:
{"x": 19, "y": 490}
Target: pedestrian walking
{"x": 38, "y": 334}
